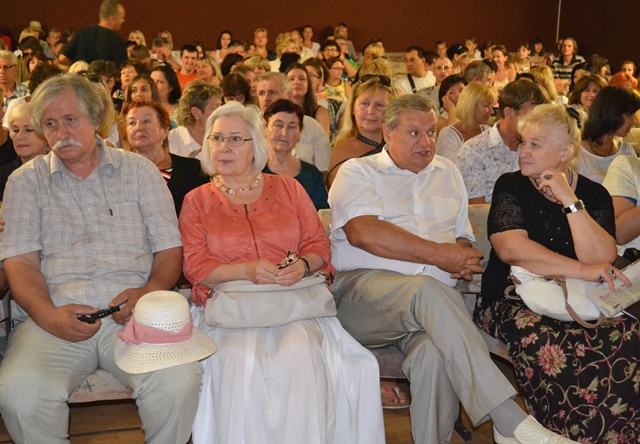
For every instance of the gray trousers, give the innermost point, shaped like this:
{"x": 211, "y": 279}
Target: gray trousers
{"x": 446, "y": 359}
{"x": 40, "y": 371}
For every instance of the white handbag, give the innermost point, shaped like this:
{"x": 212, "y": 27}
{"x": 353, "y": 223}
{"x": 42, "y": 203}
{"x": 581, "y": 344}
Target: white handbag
{"x": 243, "y": 304}
{"x": 557, "y": 297}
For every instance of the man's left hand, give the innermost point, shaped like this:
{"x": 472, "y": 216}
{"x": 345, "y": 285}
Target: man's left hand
{"x": 130, "y": 296}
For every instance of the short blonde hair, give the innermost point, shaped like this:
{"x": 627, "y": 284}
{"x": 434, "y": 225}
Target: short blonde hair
{"x": 555, "y": 116}
{"x": 472, "y": 95}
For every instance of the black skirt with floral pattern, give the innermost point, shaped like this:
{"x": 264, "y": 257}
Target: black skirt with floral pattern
{"x": 581, "y": 383}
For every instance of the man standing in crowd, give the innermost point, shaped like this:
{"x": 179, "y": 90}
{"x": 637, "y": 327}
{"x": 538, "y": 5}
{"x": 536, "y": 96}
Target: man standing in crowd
{"x": 98, "y": 42}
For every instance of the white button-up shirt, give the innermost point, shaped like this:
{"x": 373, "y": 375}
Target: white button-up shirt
{"x": 431, "y": 204}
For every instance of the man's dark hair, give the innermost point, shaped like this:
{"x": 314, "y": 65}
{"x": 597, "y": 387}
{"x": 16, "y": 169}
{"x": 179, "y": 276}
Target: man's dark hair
{"x": 519, "y": 92}
{"x": 430, "y": 57}
{"x": 188, "y": 48}
{"x": 418, "y": 49}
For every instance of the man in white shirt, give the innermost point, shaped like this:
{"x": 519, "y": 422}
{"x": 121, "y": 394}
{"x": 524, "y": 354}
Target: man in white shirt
{"x": 314, "y": 146}
{"x": 400, "y": 239}
{"x": 418, "y": 77}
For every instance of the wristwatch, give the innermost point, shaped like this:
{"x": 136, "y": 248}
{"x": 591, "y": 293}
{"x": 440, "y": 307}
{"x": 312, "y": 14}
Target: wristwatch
{"x": 574, "y": 207}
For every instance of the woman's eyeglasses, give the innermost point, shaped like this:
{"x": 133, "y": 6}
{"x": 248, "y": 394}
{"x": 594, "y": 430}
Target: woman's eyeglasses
{"x": 234, "y": 141}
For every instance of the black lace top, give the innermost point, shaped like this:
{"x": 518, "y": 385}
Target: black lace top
{"x": 517, "y": 204}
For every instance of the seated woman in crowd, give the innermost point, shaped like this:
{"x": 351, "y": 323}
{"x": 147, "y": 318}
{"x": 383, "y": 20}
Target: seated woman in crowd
{"x": 26, "y": 142}
{"x": 197, "y": 103}
{"x": 628, "y": 67}
{"x": 304, "y": 96}
{"x": 585, "y": 92}
{"x": 448, "y": 96}
{"x": 576, "y": 381}
{"x": 222, "y": 46}
{"x": 138, "y": 37}
{"x": 318, "y": 71}
{"x": 335, "y": 87}
{"x": 505, "y": 71}
{"x": 169, "y": 90}
{"x": 236, "y": 89}
{"x": 610, "y": 118}
{"x": 142, "y": 88}
{"x": 303, "y": 382}
{"x": 208, "y": 71}
{"x": 258, "y": 64}
{"x": 580, "y": 70}
{"x": 523, "y": 62}
{"x": 474, "y": 109}
{"x": 563, "y": 65}
{"x": 361, "y": 132}
{"x": 307, "y": 40}
{"x": 128, "y": 70}
{"x": 250, "y": 76}
{"x": 543, "y": 76}
{"x": 284, "y": 121}
{"x": 538, "y": 56}
{"x": 148, "y": 130}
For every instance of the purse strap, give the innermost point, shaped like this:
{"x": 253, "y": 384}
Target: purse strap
{"x": 562, "y": 282}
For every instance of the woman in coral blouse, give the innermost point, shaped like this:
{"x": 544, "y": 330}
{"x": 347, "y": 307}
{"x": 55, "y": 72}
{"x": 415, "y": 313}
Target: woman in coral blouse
{"x": 303, "y": 382}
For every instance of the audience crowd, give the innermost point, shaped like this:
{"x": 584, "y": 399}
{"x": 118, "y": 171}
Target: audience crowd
{"x": 279, "y": 126}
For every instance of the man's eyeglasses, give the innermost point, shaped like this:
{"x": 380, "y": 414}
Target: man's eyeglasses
{"x": 6, "y": 67}
{"x": 386, "y": 81}
{"x": 443, "y": 67}
{"x": 234, "y": 141}
{"x": 315, "y": 76}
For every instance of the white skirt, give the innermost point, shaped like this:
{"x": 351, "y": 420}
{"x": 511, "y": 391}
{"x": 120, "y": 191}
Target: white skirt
{"x": 305, "y": 382}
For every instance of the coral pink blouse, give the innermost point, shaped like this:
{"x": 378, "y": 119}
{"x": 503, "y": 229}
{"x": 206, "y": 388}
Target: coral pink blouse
{"x": 216, "y": 232}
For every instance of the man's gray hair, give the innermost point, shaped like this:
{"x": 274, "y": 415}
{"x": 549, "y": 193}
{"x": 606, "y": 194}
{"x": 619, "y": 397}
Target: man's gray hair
{"x": 476, "y": 69}
{"x": 6, "y": 54}
{"x": 287, "y": 87}
{"x": 406, "y": 103}
{"x": 252, "y": 117}
{"x": 109, "y": 8}
{"x": 88, "y": 99}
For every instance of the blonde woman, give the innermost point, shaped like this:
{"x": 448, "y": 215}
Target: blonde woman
{"x": 361, "y": 132}
{"x": 208, "y": 71}
{"x": 138, "y": 37}
{"x": 474, "y": 109}
{"x": 544, "y": 77}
